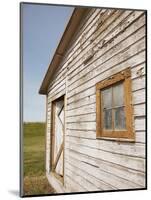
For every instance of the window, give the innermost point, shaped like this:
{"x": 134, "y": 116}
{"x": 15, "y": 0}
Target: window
{"x": 114, "y": 107}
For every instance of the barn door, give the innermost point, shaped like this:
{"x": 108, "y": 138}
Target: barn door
{"x": 58, "y": 137}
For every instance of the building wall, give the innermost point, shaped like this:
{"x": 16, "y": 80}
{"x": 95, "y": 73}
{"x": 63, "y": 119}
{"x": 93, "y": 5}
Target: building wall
{"x": 117, "y": 39}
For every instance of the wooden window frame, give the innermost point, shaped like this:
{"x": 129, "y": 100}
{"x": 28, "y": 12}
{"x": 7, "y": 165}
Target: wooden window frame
{"x": 128, "y": 134}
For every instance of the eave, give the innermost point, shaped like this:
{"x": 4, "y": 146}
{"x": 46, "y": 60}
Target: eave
{"x": 71, "y": 28}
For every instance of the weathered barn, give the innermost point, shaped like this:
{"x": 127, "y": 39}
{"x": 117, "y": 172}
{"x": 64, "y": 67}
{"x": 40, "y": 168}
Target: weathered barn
{"x": 95, "y": 102}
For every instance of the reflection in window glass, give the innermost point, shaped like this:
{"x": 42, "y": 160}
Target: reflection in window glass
{"x": 119, "y": 118}
{"x": 108, "y": 119}
{"x": 107, "y": 98}
{"x": 118, "y": 95}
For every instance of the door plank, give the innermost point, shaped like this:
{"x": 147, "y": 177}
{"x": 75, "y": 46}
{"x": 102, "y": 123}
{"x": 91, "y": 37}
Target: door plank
{"x": 58, "y": 155}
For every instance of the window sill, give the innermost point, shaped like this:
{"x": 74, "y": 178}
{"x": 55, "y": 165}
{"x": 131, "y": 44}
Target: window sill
{"x": 116, "y": 139}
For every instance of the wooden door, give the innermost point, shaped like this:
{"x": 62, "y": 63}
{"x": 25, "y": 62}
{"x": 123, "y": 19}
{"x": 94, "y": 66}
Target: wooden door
{"x": 58, "y": 137}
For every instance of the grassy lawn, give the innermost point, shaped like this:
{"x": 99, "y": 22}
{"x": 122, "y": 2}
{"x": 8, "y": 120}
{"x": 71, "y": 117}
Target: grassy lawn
{"x": 35, "y": 181}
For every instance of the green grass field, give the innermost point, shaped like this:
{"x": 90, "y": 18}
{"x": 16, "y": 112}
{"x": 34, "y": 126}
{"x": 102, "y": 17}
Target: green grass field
{"x": 35, "y": 181}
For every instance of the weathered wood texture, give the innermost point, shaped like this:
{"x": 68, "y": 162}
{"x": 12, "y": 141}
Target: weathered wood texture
{"x": 116, "y": 39}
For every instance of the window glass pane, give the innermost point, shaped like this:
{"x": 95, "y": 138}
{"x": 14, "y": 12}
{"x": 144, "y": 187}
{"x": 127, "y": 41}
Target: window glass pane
{"x": 107, "y": 119}
{"x": 118, "y": 94}
{"x": 107, "y": 98}
{"x": 119, "y": 118}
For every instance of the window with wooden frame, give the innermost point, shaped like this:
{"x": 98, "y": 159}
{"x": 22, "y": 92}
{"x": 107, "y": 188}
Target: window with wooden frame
{"x": 114, "y": 107}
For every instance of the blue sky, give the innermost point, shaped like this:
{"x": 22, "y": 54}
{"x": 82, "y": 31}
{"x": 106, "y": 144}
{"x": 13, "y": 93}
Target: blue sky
{"x": 43, "y": 26}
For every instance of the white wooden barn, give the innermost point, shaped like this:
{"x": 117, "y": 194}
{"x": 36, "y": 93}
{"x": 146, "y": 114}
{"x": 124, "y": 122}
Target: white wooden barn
{"x": 95, "y": 103}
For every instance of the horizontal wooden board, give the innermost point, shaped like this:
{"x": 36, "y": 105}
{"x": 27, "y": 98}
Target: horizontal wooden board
{"x": 139, "y": 70}
{"x": 140, "y": 45}
{"x": 140, "y": 124}
{"x": 76, "y": 51}
{"x": 74, "y": 69}
{"x": 139, "y": 96}
{"x": 81, "y": 114}
{"x": 91, "y": 40}
{"x": 88, "y": 117}
{"x": 138, "y": 83}
{"x": 85, "y": 38}
{"x": 76, "y": 176}
{"x": 57, "y": 86}
{"x": 139, "y": 110}
{"x": 122, "y": 148}
{"x": 99, "y": 184}
{"x": 130, "y": 62}
{"x": 91, "y": 108}
{"x": 110, "y": 168}
{"x": 82, "y": 102}
{"x": 109, "y": 178}
{"x": 139, "y": 135}
{"x": 112, "y": 52}
{"x": 82, "y": 125}
{"x": 73, "y": 186}
{"x": 81, "y": 134}
{"x": 57, "y": 91}
{"x": 86, "y": 22}
{"x": 126, "y": 161}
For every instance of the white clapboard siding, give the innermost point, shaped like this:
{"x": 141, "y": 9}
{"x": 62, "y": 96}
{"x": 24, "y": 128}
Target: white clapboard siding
{"x": 59, "y": 77}
{"x": 81, "y": 134}
{"x": 139, "y": 70}
{"x": 86, "y": 93}
{"x": 113, "y": 52}
{"x": 89, "y": 111}
{"x": 139, "y": 110}
{"x": 61, "y": 71}
{"x": 139, "y": 96}
{"x": 82, "y": 126}
{"x": 123, "y": 55}
{"x": 109, "y": 178}
{"x": 139, "y": 124}
{"x": 117, "y": 170}
{"x": 57, "y": 91}
{"x": 131, "y": 149}
{"x": 130, "y": 62}
{"x": 92, "y": 35}
{"x": 138, "y": 58}
{"x": 106, "y": 48}
{"x": 73, "y": 186}
{"x": 75, "y": 175}
{"x": 138, "y": 83}
{"x": 85, "y": 36}
{"x": 139, "y": 135}
{"x": 103, "y": 57}
{"x": 82, "y": 110}
{"x": 82, "y": 118}
{"x": 82, "y": 102}
{"x": 127, "y": 161}
{"x": 117, "y": 38}
{"x": 99, "y": 185}
{"x": 84, "y": 28}
{"x": 57, "y": 85}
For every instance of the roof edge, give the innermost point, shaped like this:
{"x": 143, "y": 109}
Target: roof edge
{"x": 70, "y": 29}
